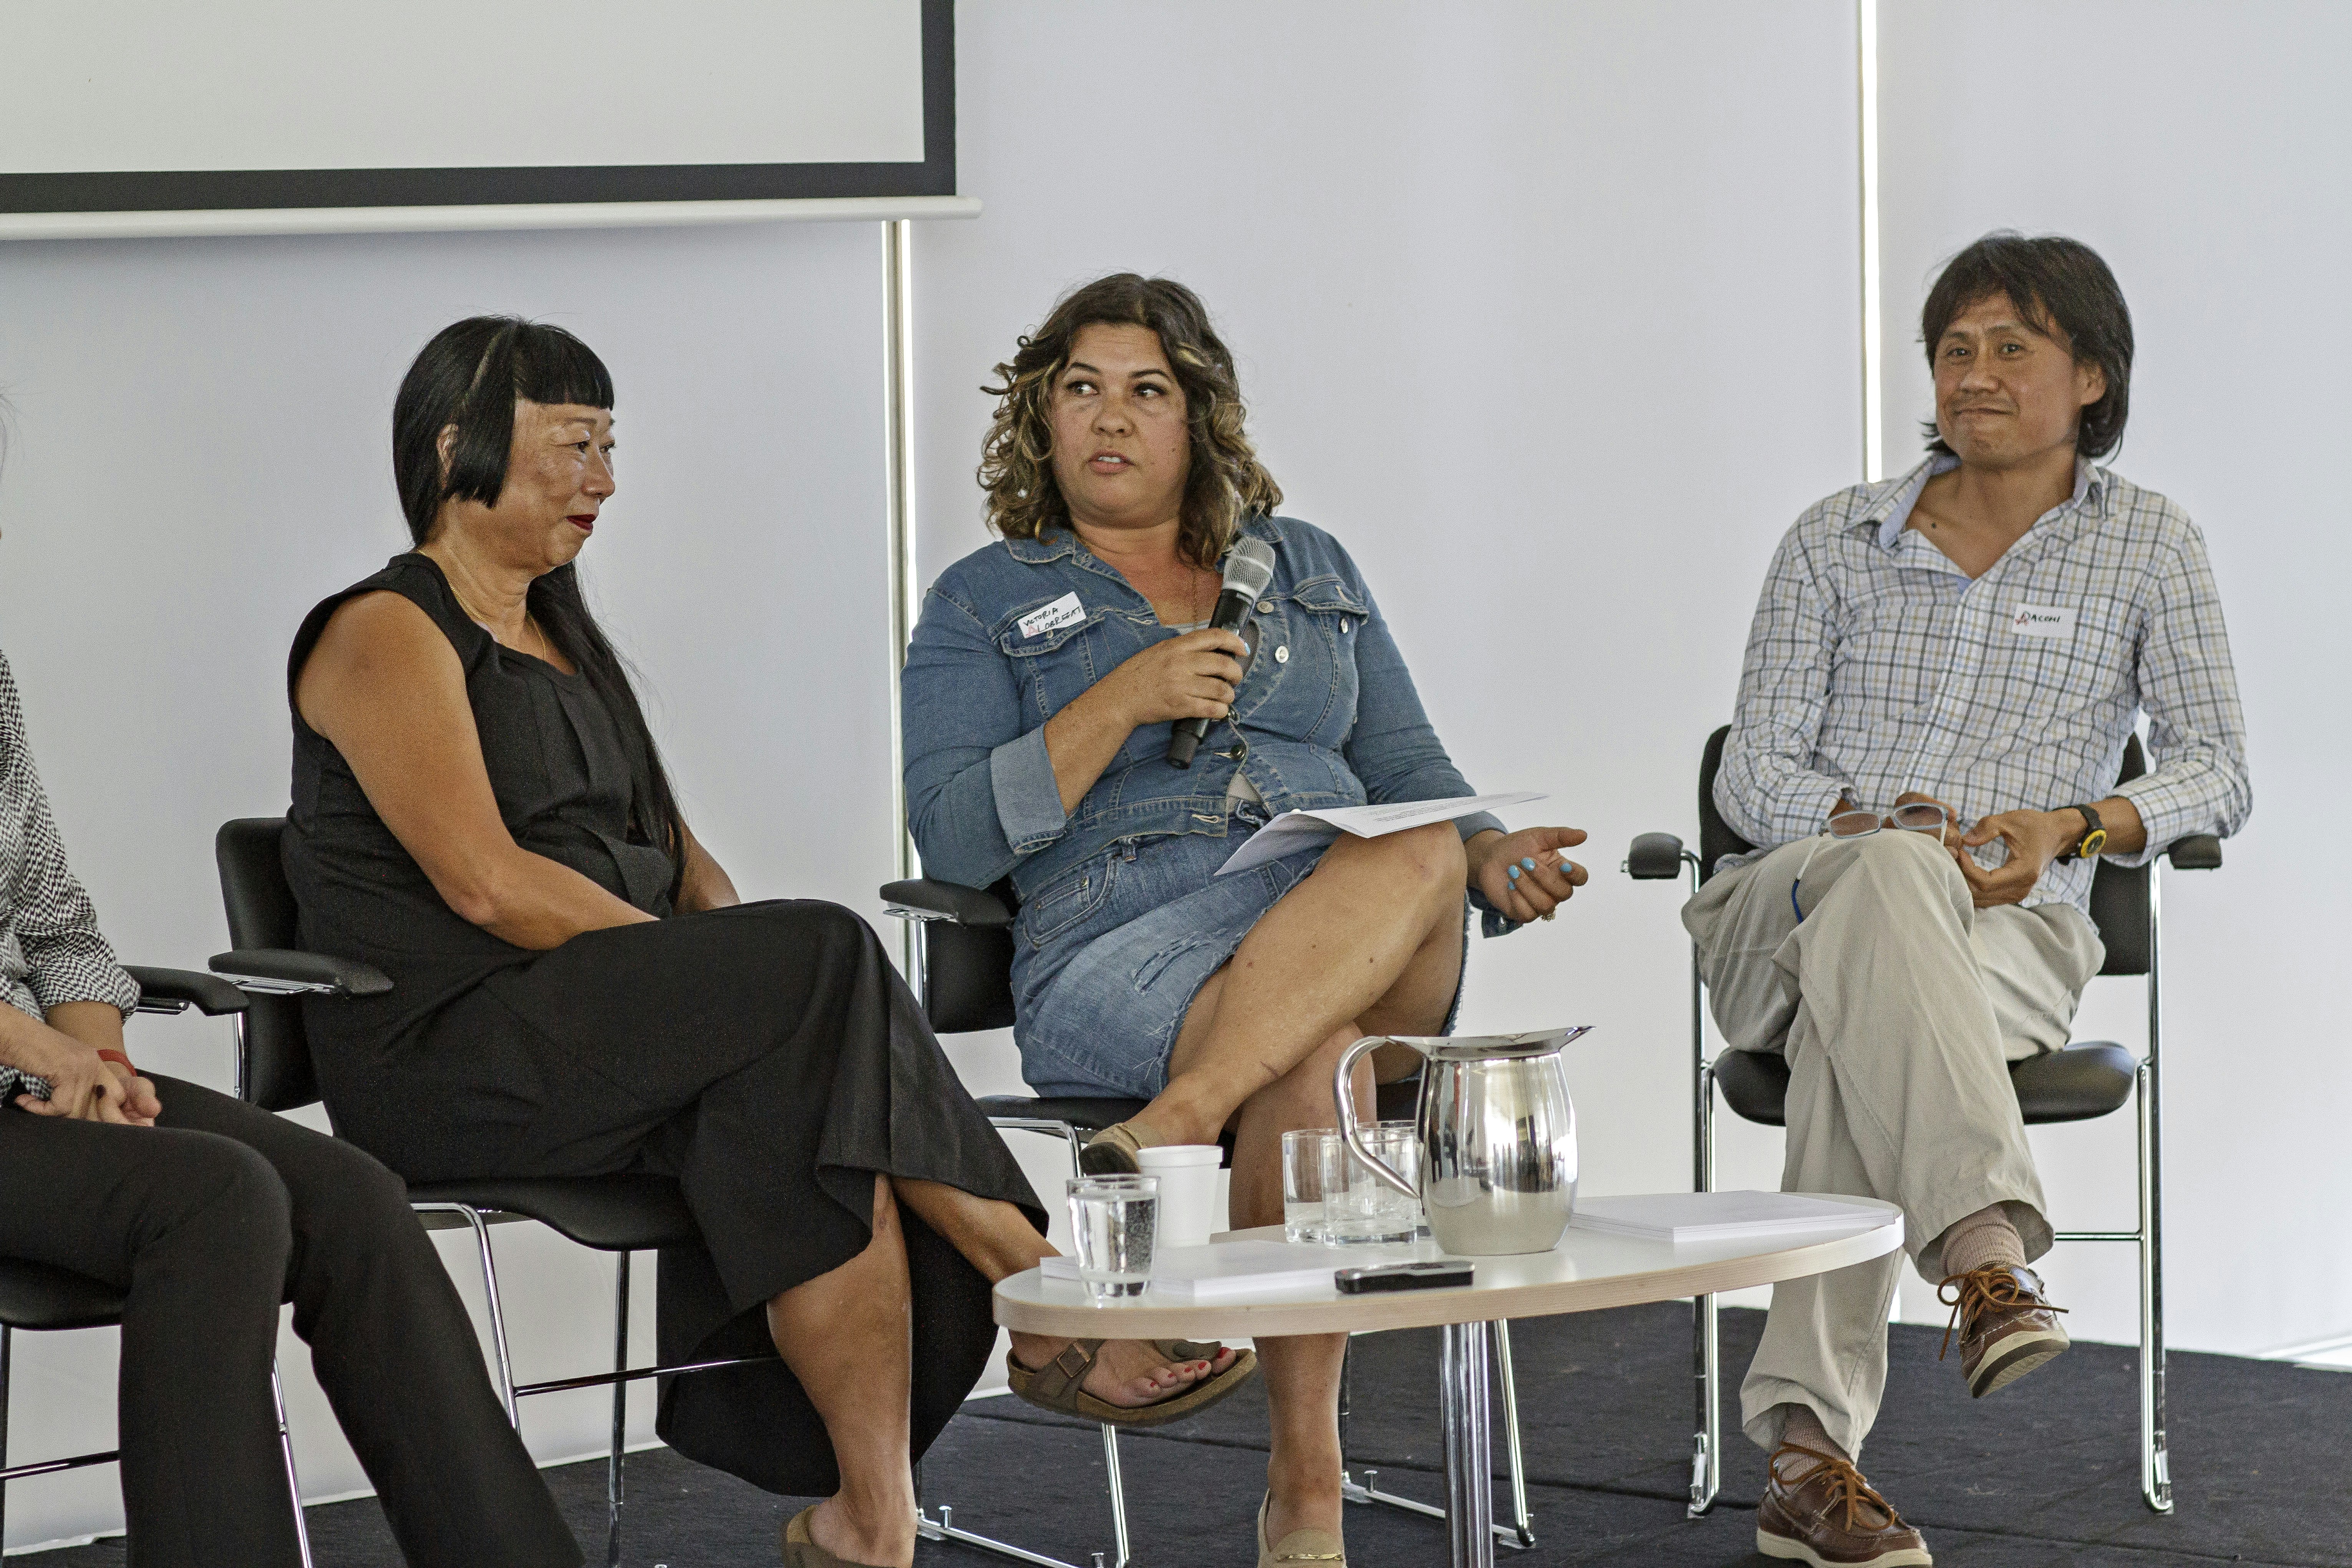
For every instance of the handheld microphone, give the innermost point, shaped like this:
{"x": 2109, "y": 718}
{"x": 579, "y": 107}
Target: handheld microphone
{"x": 1248, "y": 569}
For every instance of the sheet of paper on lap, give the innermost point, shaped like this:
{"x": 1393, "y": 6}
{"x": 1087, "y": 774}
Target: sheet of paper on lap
{"x": 1296, "y": 830}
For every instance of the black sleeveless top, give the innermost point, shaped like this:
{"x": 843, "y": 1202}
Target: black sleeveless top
{"x": 560, "y": 768}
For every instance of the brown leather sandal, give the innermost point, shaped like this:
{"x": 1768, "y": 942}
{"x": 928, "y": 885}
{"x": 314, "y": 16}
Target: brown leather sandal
{"x": 1056, "y": 1385}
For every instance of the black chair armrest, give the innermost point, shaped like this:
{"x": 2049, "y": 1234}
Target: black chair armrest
{"x": 2197, "y": 852}
{"x": 280, "y": 970}
{"x": 1654, "y": 858}
{"x": 171, "y": 991}
{"x": 924, "y": 898}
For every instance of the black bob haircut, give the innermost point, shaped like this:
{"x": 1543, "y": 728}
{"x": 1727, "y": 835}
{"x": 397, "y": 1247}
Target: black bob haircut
{"x": 470, "y": 377}
{"x": 2064, "y": 292}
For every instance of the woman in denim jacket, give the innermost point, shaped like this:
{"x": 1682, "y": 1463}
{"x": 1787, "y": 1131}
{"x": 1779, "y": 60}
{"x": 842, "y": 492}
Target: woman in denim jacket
{"x": 1043, "y": 676}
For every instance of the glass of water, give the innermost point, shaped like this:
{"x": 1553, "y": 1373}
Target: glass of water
{"x": 1302, "y": 1182}
{"x": 1359, "y": 1208}
{"x": 1114, "y": 1219}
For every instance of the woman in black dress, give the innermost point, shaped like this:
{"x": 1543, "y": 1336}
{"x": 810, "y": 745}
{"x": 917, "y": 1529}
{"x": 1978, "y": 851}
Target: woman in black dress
{"x": 480, "y": 811}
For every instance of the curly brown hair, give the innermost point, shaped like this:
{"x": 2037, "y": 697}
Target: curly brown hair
{"x": 1227, "y": 484}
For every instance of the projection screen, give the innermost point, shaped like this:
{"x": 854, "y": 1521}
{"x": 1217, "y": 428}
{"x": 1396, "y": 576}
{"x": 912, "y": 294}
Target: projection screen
{"x": 273, "y": 116}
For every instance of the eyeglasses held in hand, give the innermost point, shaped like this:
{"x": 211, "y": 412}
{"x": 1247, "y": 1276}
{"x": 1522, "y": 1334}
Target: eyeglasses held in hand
{"x": 1919, "y": 816}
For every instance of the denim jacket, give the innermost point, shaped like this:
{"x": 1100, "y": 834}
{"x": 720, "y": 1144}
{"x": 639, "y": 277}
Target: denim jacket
{"x": 1327, "y": 715}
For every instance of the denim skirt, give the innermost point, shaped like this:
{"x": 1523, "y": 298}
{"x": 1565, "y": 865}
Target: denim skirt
{"x": 1106, "y": 961}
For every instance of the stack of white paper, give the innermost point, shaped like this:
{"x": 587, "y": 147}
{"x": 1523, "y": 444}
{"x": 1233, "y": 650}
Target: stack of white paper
{"x": 1680, "y": 1217}
{"x": 1234, "y": 1270}
{"x": 1296, "y": 830}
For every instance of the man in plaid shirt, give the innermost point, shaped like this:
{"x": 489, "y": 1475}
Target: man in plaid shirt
{"x": 1939, "y": 683}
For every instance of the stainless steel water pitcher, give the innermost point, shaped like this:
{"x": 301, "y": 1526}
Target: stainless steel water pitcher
{"x": 1497, "y": 1138}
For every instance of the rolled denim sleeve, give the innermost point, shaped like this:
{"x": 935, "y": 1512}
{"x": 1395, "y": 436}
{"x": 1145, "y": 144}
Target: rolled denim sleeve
{"x": 2196, "y": 729}
{"x": 980, "y": 786}
{"x": 1767, "y": 788}
{"x": 1028, "y": 800}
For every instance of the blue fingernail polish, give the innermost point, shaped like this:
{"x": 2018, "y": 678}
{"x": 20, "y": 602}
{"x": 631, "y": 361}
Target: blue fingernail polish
{"x": 1512, "y": 872}
{"x": 1529, "y": 863}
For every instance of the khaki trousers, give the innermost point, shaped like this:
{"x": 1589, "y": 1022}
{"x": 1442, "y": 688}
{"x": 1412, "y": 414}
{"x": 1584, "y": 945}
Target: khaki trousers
{"x": 1897, "y": 1006}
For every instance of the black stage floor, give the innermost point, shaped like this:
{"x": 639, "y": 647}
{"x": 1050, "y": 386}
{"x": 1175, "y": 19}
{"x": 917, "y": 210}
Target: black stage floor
{"x": 2043, "y": 1473}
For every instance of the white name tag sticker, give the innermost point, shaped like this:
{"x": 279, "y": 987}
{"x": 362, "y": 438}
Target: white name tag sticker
{"x": 2044, "y": 621}
{"x": 1067, "y": 611}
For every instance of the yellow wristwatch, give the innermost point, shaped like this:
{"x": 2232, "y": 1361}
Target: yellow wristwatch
{"x": 2094, "y": 839}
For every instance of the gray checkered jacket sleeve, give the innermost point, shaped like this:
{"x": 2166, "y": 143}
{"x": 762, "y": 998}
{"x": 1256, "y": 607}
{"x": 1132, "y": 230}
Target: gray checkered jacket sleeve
{"x": 50, "y": 948}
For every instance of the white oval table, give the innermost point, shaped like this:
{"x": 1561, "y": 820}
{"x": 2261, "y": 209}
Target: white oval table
{"x": 1587, "y": 1271}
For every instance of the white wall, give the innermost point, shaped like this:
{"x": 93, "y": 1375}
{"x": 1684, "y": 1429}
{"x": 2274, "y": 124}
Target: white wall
{"x": 201, "y": 453}
{"x": 1549, "y": 311}
{"x": 2206, "y": 152}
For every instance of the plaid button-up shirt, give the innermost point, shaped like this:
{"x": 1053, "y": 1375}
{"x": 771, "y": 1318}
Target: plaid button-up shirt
{"x": 50, "y": 949}
{"x": 1875, "y": 665}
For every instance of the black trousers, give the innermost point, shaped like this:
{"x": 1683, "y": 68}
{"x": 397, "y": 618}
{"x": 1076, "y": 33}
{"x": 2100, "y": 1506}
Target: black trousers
{"x": 210, "y": 1219}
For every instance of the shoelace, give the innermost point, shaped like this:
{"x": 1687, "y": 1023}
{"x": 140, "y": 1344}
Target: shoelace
{"x": 1846, "y": 1485}
{"x": 1990, "y": 1288}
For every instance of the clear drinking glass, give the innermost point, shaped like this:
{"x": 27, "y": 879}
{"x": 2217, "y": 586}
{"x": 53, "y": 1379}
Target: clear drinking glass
{"x": 1113, "y": 1220}
{"x": 1359, "y": 1208}
{"x": 1409, "y": 1166}
{"x": 1302, "y": 1182}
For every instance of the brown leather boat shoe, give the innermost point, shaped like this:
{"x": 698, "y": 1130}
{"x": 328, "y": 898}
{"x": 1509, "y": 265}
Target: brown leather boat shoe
{"x": 2006, "y": 1329}
{"x": 1817, "y": 1508}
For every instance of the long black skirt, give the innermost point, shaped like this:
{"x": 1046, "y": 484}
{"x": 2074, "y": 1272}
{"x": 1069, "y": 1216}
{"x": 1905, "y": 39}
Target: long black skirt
{"x": 770, "y": 1059}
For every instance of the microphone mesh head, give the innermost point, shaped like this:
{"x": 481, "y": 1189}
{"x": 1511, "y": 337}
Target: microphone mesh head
{"x": 1250, "y": 567}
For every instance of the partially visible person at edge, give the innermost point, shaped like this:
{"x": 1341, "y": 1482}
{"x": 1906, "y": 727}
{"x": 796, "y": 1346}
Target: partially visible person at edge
{"x": 1964, "y": 650}
{"x": 206, "y": 1213}
{"x": 1044, "y": 674}
{"x": 480, "y": 811}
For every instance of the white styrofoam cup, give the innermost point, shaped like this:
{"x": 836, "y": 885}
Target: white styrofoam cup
{"x": 1188, "y": 1190}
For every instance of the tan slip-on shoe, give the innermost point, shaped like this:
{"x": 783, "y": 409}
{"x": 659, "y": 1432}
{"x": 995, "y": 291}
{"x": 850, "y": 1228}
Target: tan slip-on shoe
{"x": 1112, "y": 1153}
{"x": 2007, "y": 1327}
{"x": 1300, "y": 1546}
{"x": 801, "y": 1549}
{"x": 1825, "y": 1513}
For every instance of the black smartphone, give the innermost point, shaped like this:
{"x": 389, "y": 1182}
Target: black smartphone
{"x": 1427, "y": 1275}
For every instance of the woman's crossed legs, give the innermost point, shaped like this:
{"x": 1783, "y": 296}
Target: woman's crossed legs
{"x": 1369, "y": 944}
{"x": 845, "y": 1336}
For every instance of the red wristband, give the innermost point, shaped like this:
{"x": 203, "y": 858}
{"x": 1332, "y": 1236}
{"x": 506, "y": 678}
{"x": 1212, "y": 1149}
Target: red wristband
{"x": 106, "y": 1056}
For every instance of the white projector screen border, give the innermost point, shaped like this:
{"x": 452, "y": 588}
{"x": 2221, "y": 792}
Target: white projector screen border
{"x": 147, "y": 203}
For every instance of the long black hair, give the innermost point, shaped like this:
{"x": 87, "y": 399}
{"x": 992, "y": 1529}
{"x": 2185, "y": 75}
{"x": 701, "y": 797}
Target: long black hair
{"x": 2063, "y": 290}
{"x": 469, "y": 377}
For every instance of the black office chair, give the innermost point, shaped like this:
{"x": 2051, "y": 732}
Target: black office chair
{"x": 41, "y": 1298}
{"x": 965, "y": 981}
{"x": 620, "y": 1214}
{"x": 2087, "y": 1080}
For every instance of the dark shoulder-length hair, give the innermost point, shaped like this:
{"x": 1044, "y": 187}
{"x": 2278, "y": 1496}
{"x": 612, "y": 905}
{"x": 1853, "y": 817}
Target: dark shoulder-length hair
{"x": 1226, "y": 483}
{"x": 2066, "y": 292}
{"x": 469, "y": 377}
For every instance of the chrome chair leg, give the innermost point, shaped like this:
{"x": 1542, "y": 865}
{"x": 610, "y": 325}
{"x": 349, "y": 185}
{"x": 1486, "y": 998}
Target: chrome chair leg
{"x": 614, "y": 1462}
{"x": 293, "y": 1481}
{"x": 943, "y": 1528}
{"x": 1706, "y": 1354}
{"x": 7, "y": 1346}
{"x": 1117, "y": 1485}
{"x": 1522, "y": 1520}
{"x": 473, "y": 1218}
{"x": 2155, "y": 1472}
